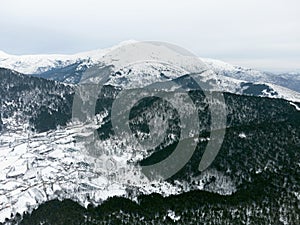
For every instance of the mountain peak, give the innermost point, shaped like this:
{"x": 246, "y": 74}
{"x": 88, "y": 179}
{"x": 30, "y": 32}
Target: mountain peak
{"x": 3, "y": 54}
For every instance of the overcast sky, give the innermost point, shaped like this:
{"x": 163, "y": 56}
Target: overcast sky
{"x": 262, "y": 34}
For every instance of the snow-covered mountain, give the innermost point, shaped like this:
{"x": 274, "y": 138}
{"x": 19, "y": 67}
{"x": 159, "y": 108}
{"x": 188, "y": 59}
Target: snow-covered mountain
{"x": 289, "y": 80}
{"x": 53, "y": 158}
{"x": 227, "y": 77}
{"x": 33, "y": 64}
{"x": 36, "y": 64}
{"x": 137, "y": 76}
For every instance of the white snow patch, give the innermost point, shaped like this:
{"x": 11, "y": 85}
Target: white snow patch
{"x": 296, "y": 106}
{"x": 172, "y": 216}
{"x": 242, "y": 135}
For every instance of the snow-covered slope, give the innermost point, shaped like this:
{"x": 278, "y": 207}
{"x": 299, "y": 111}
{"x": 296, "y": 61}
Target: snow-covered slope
{"x": 40, "y": 167}
{"x": 227, "y": 77}
{"x": 288, "y": 80}
{"x": 140, "y": 75}
{"x": 35, "y": 64}
{"x": 37, "y": 167}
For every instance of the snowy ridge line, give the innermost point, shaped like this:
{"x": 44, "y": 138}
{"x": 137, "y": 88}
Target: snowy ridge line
{"x": 35, "y": 64}
{"x": 227, "y": 76}
{"x": 32, "y": 64}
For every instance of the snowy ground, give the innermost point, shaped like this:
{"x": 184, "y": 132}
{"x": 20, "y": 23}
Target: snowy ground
{"x": 39, "y": 167}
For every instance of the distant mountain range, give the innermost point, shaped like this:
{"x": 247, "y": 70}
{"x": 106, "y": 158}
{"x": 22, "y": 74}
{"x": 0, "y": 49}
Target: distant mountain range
{"x": 226, "y": 77}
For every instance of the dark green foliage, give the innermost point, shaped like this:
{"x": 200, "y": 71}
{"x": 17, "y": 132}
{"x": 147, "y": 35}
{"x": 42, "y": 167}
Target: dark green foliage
{"x": 57, "y": 212}
{"x": 69, "y": 74}
{"x": 257, "y": 89}
{"x": 195, "y": 207}
{"x": 264, "y": 167}
{"x": 46, "y": 104}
